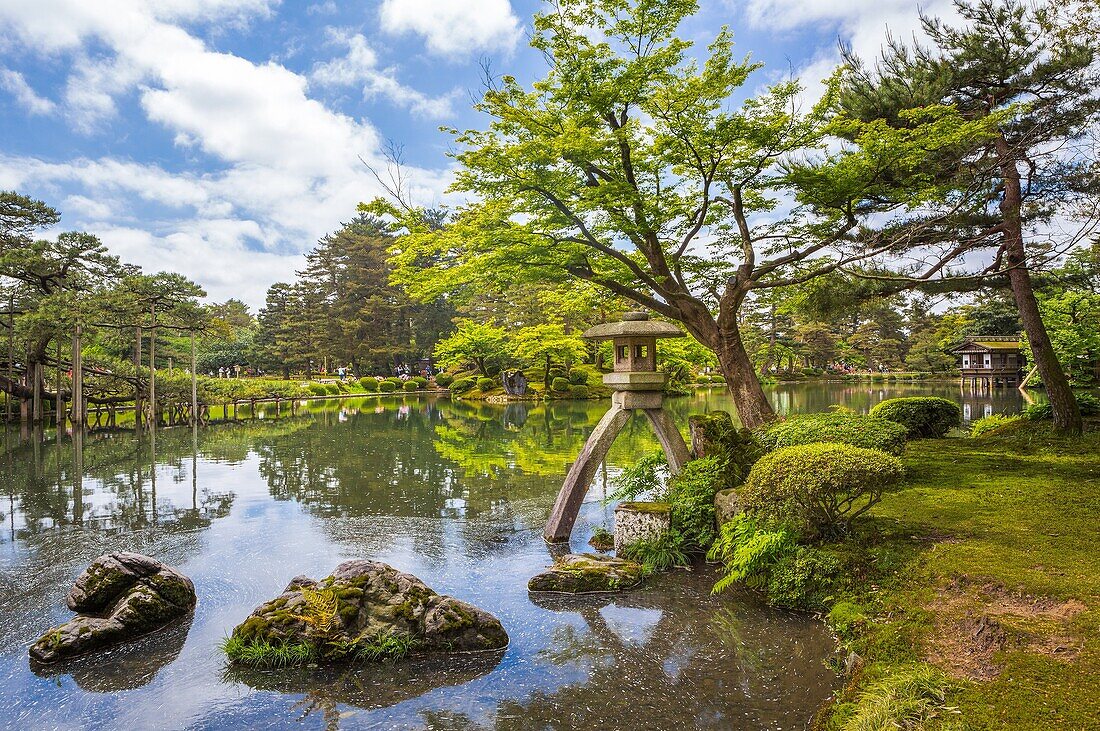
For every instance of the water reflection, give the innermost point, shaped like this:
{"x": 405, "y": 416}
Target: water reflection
{"x": 454, "y": 492}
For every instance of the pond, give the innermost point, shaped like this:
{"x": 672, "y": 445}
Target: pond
{"x": 454, "y": 492}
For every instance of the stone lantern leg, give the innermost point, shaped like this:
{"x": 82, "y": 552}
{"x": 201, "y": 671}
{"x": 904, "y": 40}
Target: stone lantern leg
{"x": 636, "y": 385}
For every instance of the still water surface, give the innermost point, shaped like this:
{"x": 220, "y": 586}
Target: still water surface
{"x": 456, "y": 493}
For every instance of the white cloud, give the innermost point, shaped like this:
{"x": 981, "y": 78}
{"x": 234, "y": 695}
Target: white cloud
{"x": 279, "y": 168}
{"x": 455, "y": 28}
{"x": 26, "y": 97}
{"x": 360, "y": 66}
{"x": 328, "y": 7}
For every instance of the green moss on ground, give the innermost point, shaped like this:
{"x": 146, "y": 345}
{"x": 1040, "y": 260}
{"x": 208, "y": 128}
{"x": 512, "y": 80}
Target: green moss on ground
{"x": 982, "y": 577}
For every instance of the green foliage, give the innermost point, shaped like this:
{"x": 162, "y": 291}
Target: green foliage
{"x": 646, "y": 477}
{"x": 560, "y": 385}
{"x": 671, "y": 549}
{"x": 747, "y": 550}
{"x": 993, "y": 424}
{"x": 420, "y": 381}
{"x": 462, "y": 385}
{"x": 388, "y": 645}
{"x": 1088, "y": 404}
{"x": 820, "y": 488}
{"x": 846, "y": 617}
{"x": 317, "y": 389}
{"x": 332, "y": 389}
{"x": 387, "y": 386}
{"x": 735, "y": 449}
{"x": 369, "y": 384}
{"x": 924, "y": 417}
{"x": 602, "y": 539}
{"x": 260, "y": 653}
{"x": 410, "y": 385}
{"x": 578, "y": 392}
{"x": 443, "y": 380}
{"x": 578, "y": 376}
{"x": 904, "y": 699}
{"x": 691, "y": 495}
{"x": 803, "y": 578}
{"x": 858, "y": 431}
{"x": 481, "y": 344}
{"x": 485, "y": 384}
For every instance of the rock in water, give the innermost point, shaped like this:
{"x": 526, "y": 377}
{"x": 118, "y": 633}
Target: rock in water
{"x": 366, "y": 610}
{"x": 584, "y": 573}
{"x": 120, "y": 596}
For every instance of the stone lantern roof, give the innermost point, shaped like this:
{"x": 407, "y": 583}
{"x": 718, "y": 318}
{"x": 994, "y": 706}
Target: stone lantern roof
{"x": 633, "y": 325}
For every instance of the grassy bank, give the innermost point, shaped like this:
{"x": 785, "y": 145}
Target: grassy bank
{"x": 982, "y": 604}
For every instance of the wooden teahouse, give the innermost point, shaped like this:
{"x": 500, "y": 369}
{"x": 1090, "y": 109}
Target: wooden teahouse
{"x": 991, "y": 361}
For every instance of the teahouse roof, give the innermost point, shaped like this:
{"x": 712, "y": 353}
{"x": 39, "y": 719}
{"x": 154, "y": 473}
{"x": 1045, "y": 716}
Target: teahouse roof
{"x": 988, "y": 342}
{"x": 633, "y": 325}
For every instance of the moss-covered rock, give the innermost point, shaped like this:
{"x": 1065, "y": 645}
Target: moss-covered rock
{"x": 120, "y": 596}
{"x": 365, "y": 610}
{"x": 583, "y": 573}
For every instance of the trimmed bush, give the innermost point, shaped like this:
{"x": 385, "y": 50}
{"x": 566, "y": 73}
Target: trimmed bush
{"x": 387, "y": 386}
{"x": 485, "y": 384}
{"x": 411, "y": 385}
{"x": 332, "y": 388}
{"x": 993, "y": 424}
{"x": 560, "y": 385}
{"x": 370, "y": 385}
{"x": 578, "y": 376}
{"x": 462, "y": 385}
{"x": 397, "y": 382}
{"x": 717, "y": 379}
{"x": 317, "y": 389}
{"x": 443, "y": 380}
{"x": 924, "y": 417}
{"x": 578, "y": 392}
{"x": 858, "y": 431}
{"x": 420, "y": 381}
{"x": 818, "y": 488}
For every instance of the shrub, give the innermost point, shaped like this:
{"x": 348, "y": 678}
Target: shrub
{"x": 993, "y": 424}
{"x": 715, "y": 435}
{"x": 747, "y": 550}
{"x": 802, "y": 578}
{"x": 462, "y": 385}
{"x": 560, "y": 385}
{"x": 819, "y": 488}
{"x": 443, "y": 380}
{"x": 923, "y": 416}
{"x": 332, "y": 388}
{"x": 411, "y": 385}
{"x": 342, "y": 387}
{"x": 1087, "y": 403}
{"x": 397, "y": 382}
{"x": 318, "y": 389}
{"x": 420, "y": 381}
{"x": 717, "y": 379}
{"x": 578, "y": 391}
{"x": 387, "y": 386}
{"x": 659, "y": 554}
{"x": 646, "y": 477}
{"x": 578, "y": 376}
{"x": 691, "y": 495}
{"x": 858, "y": 431}
{"x": 485, "y": 384}
{"x": 370, "y": 385}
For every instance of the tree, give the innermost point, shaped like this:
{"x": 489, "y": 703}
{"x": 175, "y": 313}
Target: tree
{"x": 626, "y": 167}
{"x": 546, "y": 344}
{"x": 481, "y": 344}
{"x": 1032, "y": 70}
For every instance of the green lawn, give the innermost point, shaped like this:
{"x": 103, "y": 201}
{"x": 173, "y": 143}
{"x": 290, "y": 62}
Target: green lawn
{"x": 986, "y": 566}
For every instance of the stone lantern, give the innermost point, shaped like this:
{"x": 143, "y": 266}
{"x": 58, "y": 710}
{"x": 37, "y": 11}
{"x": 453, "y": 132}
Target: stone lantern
{"x": 636, "y": 385}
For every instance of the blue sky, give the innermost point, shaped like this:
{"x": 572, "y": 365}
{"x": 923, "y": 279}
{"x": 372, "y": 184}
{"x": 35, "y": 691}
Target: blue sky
{"x": 221, "y": 138}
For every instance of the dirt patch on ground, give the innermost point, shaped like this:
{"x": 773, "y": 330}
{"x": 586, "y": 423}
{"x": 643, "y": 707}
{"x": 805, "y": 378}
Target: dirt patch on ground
{"x": 976, "y": 621}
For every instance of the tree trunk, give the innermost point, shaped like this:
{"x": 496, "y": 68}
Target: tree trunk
{"x": 753, "y": 407}
{"x": 1067, "y": 415}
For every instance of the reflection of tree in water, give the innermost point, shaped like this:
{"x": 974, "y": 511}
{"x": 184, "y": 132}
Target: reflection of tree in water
{"x": 652, "y": 664}
{"x": 106, "y": 482}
